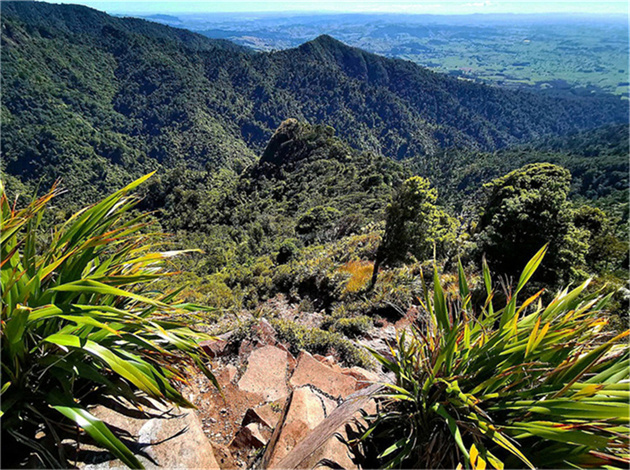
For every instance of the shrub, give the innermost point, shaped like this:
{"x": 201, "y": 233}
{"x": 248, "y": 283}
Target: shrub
{"x": 79, "y": 322}
{"x": 317, "y": 223}
{"x": 287, "y": 251}
{"x": 353, "y": 327}
{"x": 527, "y": 384}
{"x": 317, "y": 341}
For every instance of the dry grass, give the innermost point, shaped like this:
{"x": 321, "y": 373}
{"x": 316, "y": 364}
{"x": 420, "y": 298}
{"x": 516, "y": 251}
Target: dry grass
{"x": 360, "y": 274}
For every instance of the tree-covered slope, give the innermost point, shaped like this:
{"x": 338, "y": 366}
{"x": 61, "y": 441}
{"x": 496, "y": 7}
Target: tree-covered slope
{"x": 597, "y": 160}
{"x": 98, "y": 99}
{"x": 309, "y": 186}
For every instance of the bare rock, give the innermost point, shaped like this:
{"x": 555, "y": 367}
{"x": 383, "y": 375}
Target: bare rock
{"x": 214, "y": 348}
{"x": 364, "y": 377}
{"x": 324, "y": 446}
{"x": 267, "y": 415}
{"x": 247, "y": 347}
{"x": 231, "y": 372}
{"x": 172, "y": 439}
{"x": 178, "y": 443}
{"x": 309, "y": 371}
{"x": 265, "y": 332}
{"x": 266, "y": 373}
{"x": 251, "y": 436}
{"x": 224, "y": 456}
{"x": 329, "y": 361}
{"x": 292, "y": 361}
{"x": 305, "y": 409}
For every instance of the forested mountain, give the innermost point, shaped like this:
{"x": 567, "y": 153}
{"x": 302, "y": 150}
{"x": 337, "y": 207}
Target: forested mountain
{"x": 317, "y": 193}
{"x": 101, "y": 99}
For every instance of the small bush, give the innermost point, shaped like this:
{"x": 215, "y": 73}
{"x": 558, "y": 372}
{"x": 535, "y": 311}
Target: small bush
{"x": 288, "y": 250}
{"x": 353, "y": 327}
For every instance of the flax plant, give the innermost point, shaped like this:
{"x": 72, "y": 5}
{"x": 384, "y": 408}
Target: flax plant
{"x": 524, "y": 386}
{"x": 79, "y": 321}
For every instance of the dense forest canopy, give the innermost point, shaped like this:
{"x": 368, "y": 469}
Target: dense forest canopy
{"x": 100, "y": 99}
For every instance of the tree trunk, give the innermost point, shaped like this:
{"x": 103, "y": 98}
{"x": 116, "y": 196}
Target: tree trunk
{"x": 377, "y": 265}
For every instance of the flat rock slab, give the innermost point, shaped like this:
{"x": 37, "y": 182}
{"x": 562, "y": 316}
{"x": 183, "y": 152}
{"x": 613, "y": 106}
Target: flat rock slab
{"x": 177, "y": 443}
{"x": 309, "y": 371}
{"x": 323, "y": 442}
{"x": 364, "y": 377}
{"x": 266, "y": 373}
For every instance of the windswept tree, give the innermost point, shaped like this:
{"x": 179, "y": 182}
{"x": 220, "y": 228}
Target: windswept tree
{"x": 525, "y": 210}
{"x": 414, "y": 225}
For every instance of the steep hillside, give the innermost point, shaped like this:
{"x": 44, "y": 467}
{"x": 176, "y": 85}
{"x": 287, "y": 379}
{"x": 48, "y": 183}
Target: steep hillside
{"x": 597, "y": 160}
{"x": 309, "y": 186}
{"x": 100, "y": 99}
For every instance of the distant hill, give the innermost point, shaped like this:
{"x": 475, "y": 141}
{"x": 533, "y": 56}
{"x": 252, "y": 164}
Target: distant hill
{"x": 99, "y": 99}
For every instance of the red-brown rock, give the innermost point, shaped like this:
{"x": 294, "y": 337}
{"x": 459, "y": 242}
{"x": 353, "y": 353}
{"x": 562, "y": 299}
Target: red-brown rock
{"x": 364, "y": 377}
{"x": 266, "y": 373}
{"x": 309, "y": 371}
{"x": 215, "y": 348}
{"x": 305, "y": 409}
{"x": 250, "y": 437}
{"x": 267, "y": 415}
{"x": 265, "y": 333}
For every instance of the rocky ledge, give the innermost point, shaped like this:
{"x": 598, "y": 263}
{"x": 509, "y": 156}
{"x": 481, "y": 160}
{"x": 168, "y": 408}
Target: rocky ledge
{"x": 273, "y": 410}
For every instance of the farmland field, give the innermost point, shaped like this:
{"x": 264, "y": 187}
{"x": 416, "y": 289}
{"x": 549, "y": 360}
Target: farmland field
{"x": 547, "y": 52}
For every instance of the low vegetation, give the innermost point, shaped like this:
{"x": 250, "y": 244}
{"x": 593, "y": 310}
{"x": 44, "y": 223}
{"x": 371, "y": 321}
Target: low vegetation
{"x": 526, "y": 384}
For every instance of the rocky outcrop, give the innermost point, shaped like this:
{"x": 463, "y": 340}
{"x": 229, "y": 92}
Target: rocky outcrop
{"x": 266, "y": 373}
{"x": 305, "y": 409}
{"x": 327, "y": 444}
{"x": 309, "y": 371}
{"x": 276, "y": 410}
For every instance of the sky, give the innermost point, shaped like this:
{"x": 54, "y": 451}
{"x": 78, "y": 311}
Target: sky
{"x": 617, "y": 7}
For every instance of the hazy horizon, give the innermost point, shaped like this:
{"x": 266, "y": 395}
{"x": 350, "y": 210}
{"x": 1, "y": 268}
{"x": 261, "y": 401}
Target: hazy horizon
{"x": 450, "y": 8}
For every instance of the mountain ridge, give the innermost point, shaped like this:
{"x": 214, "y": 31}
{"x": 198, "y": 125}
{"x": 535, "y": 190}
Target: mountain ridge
{"x": 103, "y": 98}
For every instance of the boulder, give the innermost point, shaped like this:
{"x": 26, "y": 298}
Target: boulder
{"x": 177, "y": 443}
{"x": 364, "y": 377}
{"x": 265, "y": 333}
{"x": 172, "y": 439}
{"x": 266, "y": 373}
{"x": 267, "y": 415}
{"x": 324, "y": 446}
{"x": 310, "y": 371}
{"x": 219, "y": 346}
{"x": 224, "y": 456}
{"x": 305, "y": 409}
{"x": 329, "y": 361}
{"x": 247, "y": 347}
